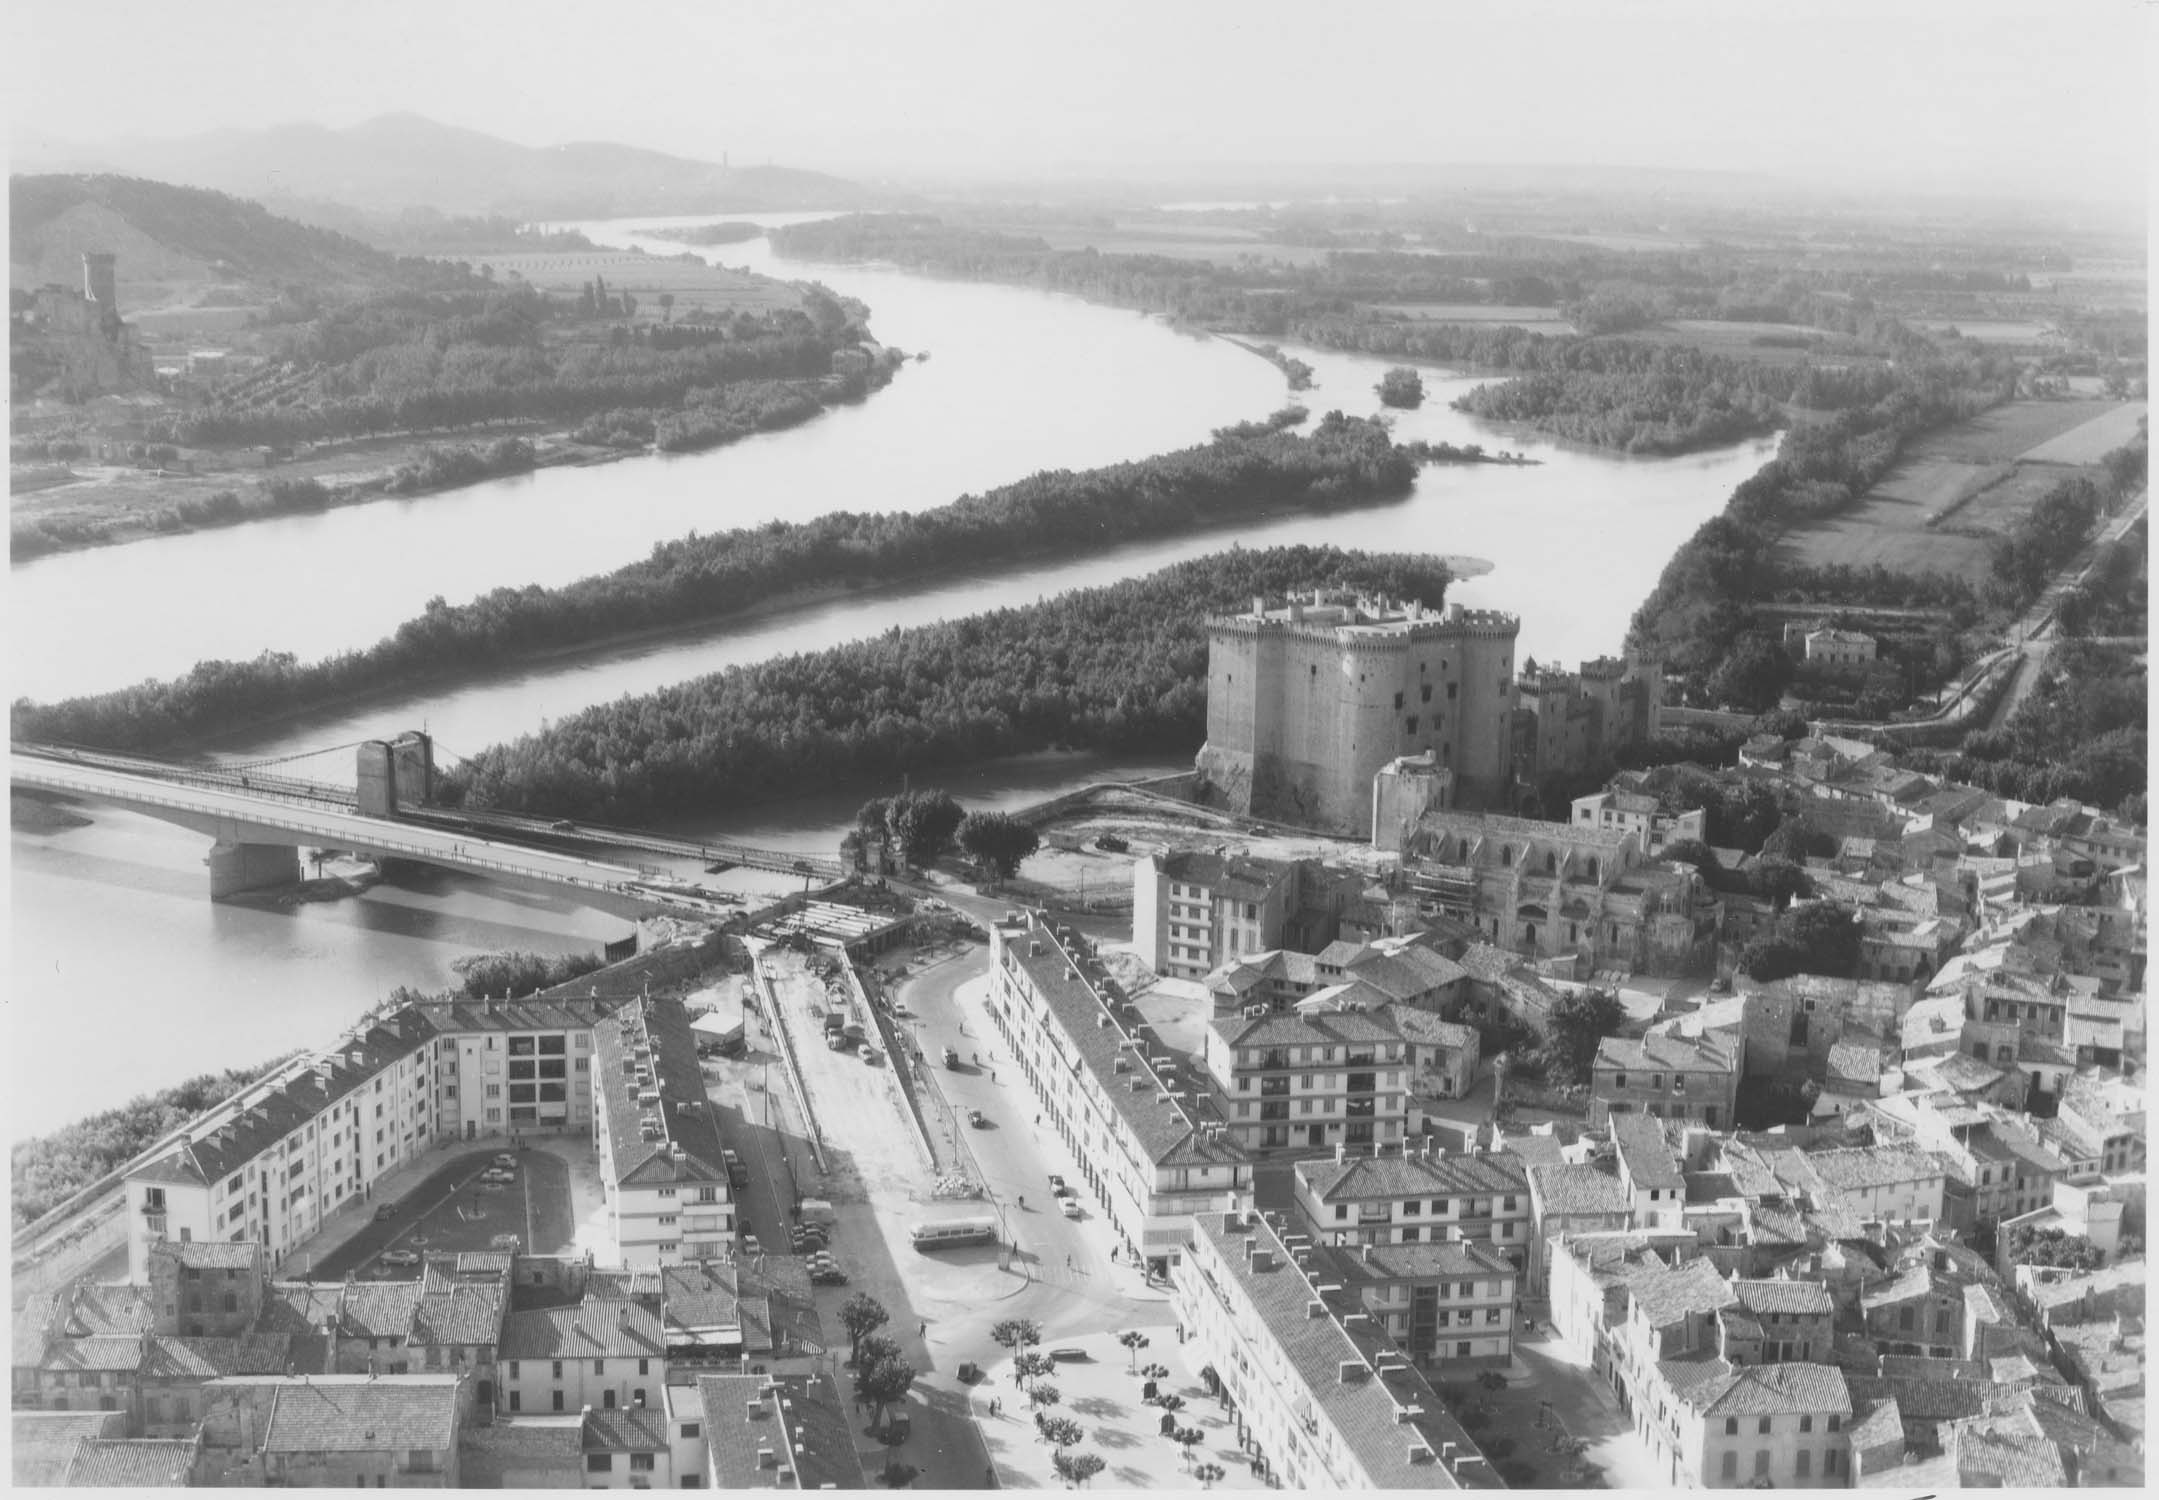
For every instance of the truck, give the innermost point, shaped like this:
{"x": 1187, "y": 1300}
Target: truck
{"x": 737, "y": 1174}
{"x": 815, "y": 1211}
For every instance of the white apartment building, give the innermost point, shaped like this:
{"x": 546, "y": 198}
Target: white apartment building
{"x": 661, "y": 1162}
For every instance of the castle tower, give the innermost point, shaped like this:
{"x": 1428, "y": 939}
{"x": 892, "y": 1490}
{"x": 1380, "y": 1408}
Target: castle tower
{"x": 97, "y": 281}
{"x": 1307, "y": 702}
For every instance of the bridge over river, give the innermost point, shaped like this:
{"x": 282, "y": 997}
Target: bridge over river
{"x": 260, "y": 819}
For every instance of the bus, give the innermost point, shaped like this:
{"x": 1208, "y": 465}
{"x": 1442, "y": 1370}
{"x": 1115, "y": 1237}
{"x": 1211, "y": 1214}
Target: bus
{"x": 942, "y": 1234}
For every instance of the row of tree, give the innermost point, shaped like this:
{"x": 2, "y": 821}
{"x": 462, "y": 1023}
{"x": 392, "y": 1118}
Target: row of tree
{"x": 1342, "y": 462}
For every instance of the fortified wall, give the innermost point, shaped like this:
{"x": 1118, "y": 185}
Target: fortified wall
{"x": 1308, "y": 700}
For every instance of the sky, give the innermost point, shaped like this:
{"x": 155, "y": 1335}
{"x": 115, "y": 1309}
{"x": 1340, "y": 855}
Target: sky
{"x": 2043, "y": 97}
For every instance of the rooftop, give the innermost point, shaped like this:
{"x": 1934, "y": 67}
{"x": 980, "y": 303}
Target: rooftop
{"x": 593, "y": 1329}
{"x": 1716, "y": 1388}
{"x": 1395, "y": 1175}
{"x": 352, "y": 1413}
{"x": 652, "y": 1038}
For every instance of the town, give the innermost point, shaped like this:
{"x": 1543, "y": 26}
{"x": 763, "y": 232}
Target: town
{"x": 1779, "y": 1124}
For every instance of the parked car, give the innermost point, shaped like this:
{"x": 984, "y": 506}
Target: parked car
{"x": 506, "y": 1159}
{"x": 976, "y": 1118}
{"x": 952, "y": 1057}
{"x": 401, "y": 1257}
{"x": 1069, "y": 1207}
{"x": 867, "y": 1053}
{"x": 1057, "y": 1185}
{"x": 386, "y": 1211}
{"x": 750, "y": 1245}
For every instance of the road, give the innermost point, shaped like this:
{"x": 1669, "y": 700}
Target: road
{"x": 2035, "y": 633}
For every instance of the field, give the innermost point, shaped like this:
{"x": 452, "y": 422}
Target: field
{"x": 1980, "y": 476}
{"x": 1539, "y": 319}
{"x": 2092, "y": 441}
{"x": 1739, "y": 340}
{"x": 695, "y": 285}
{"x": 1991, "y": 331}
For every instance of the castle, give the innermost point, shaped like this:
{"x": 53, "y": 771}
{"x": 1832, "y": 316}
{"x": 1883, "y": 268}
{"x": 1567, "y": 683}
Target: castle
{"x": 95, "y": 351}
{"x": 1307, "y": 702}
{"x": 1355, "y": 715}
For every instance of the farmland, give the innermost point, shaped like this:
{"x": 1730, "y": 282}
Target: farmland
{"x": 1954, "y": 491}
{"x": 1770, "y": 343}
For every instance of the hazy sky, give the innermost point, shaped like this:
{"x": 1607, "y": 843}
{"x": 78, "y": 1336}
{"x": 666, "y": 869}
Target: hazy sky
{"x": 2042, "y": 95}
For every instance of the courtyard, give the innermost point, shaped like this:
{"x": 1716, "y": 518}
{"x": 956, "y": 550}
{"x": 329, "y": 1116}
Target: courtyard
{"x": 451, "y": 1210}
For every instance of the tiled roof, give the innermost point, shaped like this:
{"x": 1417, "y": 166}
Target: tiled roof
{"x": 108, "y": 1463}
{"x": 1427, "y": 1030}
{"x": 186, "y": 1359}
{"x": 1667, "y": 1297}
{"x": 1916, "y": 1281}
{"x": 1396, "y": 1176}
{"x": 1716, "y": 1388}
{"x": 354, "y": 1413}
{"x": 625, "y": 1429}
{"x": 1856, "y": 1062}
{"x": 685, "y": 1113}
{"x": 223, "y": 1255}
{"x": 463, "y": 1312}
{"x": 594, "y": 1329}
{"x": 1330, "y": 1028}
{"x": 42, "y": 1442}
{"x": 1784, "y": 1296}
{"x": 1643, "y": 1154}
{"x": 517, "y": 1449}
{"x": 734, "y": 1429}
{"x": 1422, "y": 1260}
{"x": 109, "y": 1351}
{"x": 1873, "y": 1166}
{"x": 2018, "y": 1461}
{"x": 1579, "y": 1189}
{"x": 1920, "y": 1399}
{"x": 1665, "y": 1050}
{"x": 1879, "y": 1422}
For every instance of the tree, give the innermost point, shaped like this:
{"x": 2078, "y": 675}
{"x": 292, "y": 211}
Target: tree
{"x": 1042, "y": 1393}
{"x": 1078, "y": 1468}
{"x": 998, "y": 840}
{"x": 2031, "y": 1245}
{"x": 1171, "y": 1404}
{"x": 1026, "y": 1367}
{"x": 1134, "y": 1341}
{"x": 1062, "y": 1432}
{"x": 667, "y": 307}
{"x": 1578, "y": 1021}
{"x": 1828, "y": 937}
{"x": 874, "y": 1349}
{"x": 1779, "y": 880}
{"x": 883, "y": 1383}
{"x": 1207, "y": 1474}
{"x": 861, "y": 1315}
{"x": 1189, "y": 1438}
{"x": 1401, "y": 387}
{"x": 1753, "y": 676}
{"x": 922, "y": 823}
{"x": 1015, "y": 1333}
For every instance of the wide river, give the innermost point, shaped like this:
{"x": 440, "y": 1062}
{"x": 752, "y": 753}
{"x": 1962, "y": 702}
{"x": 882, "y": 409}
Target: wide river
{"x": 120, "y": 963}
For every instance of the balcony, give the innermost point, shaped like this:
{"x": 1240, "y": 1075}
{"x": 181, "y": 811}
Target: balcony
{"x": 1277, "y": 1058}
{"x": 1274, "y": 1111}
{"x": 1360, "y": 1109}
{"x": 1273, "y": 1086}
{"x": 1361, "y": 1083}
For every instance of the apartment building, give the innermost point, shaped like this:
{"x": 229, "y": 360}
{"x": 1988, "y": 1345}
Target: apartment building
{"x": 1996, "y": 1165}
{"x": 1665, "y": 1075}
{"x": 1896, "y": 1184}
{"x": 1149, "y": 1148}
{"x": 1724, "y": 1426}
{"x": 1196, "y": 909}
{"x": 1418, "y": 1195}
{"x": 661, "y": 1163}
{"x": 1318, "y": 1080}
{"x": 1321, "y": 1396}
{"x": 273, "y": 1163}
{"x": 1447, "y": 1302}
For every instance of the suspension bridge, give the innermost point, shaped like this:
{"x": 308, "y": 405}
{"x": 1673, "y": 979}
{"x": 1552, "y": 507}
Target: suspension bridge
{"x": 260, "y": 814}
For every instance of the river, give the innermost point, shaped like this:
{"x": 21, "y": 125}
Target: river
{"x": 112, "y": 929}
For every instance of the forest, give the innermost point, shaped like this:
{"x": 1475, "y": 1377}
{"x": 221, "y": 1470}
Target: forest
{"x": 49, "y": 1169}
{"x": 1342, "y": 461}
{"x": 401, "y": 362}
{"x": 1120, "y": 669}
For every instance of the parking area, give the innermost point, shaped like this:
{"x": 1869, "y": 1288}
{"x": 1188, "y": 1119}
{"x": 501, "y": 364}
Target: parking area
{"x": 454, "y": 1208}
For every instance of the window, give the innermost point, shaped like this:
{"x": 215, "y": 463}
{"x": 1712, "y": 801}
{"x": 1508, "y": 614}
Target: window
{"x": 1731, "y": 1464}
{"x": 1731, "y": 1428}
{"x": 599, "y": 1463}
{"x": 1412, "y": 1234}
{"x": 692, "y": 1429}
{"x": 1764, "y": 1425}
{"x": 1439, "y": 1205}
{"x": 558, "y": 1401}
{"x": 1833, "y": 1461}
{"x": 1804, "y": 1465}
{"x": 644, "y": 1367}
{"x": 608, "y": 1400}
{"x": 599, "y": 1367}
{"x": 1620, "y": 1081}
{"x": 1397, "y": 700}
{"x": 1806, "y": 1424}
{"x": 1341, "y": 1211}
{"x": 1761, "y": 1463}
{"x": 517, "y": 1401}
{"x": 558, "y": 1369}
{"x": 644, "y": 1461}
{"x": 1835, "y": 1422}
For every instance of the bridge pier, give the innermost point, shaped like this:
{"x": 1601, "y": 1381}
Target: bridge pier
{"x": 239, "y": 868}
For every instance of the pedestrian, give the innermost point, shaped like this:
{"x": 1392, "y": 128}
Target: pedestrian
{"x": 925, "y": 1330}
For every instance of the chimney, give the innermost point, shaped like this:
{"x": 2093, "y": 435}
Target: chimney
{"x": 1341, "y": 1151}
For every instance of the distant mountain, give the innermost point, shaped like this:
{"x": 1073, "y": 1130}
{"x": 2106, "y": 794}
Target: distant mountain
{"x": 401, "y": 161}
{"x": 164, "y": 233}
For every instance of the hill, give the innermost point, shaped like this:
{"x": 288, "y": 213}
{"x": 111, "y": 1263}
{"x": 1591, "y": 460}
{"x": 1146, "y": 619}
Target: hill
{"x": 169, "y": 234}
{"x": 403, "y": 161}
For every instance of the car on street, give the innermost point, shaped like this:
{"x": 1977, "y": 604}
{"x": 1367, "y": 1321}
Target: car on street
{"x": 505, "y": 1159}
{"x": 1057, "y": 1185}
{"x": 400, "y": 1257}
{"x": 1069, "y": 1207}
{"x": 976, "y": 1118}
{"x": 867, "y": 1053}
{"x": 750, "y": 1245}
{"x": 386, "y": 1211}
{"x": 498, "y": 1175}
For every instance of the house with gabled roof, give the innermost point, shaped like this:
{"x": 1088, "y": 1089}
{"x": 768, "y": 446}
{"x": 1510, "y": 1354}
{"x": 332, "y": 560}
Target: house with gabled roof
{"x": 662, "y": 1165}
{"x": 1420, "y": 1194}
{"x": 334, "y": 1431}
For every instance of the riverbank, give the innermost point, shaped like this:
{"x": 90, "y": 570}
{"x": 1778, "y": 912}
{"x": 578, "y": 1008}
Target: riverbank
{"x": 112, "y": 506}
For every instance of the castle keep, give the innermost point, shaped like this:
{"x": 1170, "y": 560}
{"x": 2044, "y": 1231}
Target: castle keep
{"x": 1308, "y": 701}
